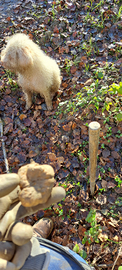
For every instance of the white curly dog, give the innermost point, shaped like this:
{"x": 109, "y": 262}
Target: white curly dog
{"x": 36, "y": 71}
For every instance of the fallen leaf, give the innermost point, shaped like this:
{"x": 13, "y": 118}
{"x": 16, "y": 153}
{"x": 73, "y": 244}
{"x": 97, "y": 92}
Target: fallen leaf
{"x": 56, "y": 30}
{"x": 52, "y": 156}
{"x": 111, "y": 185}
{"x": 106, "y": 153}
{"x": 88, "y": 82}
{"x": 101, "y": 199}
{"x": 27, "y": 122}
{"x": 8, "y": 128}
{"x": 115, "y": 155}
{"x": 103, "y": 237}
{"x": 112, "y": 198}
{"x": 81, "y": 230}
{"x": 8, "y": 120}
{"x": 60, "y": 159}
{"x": 22, "y": 116}
{"x": 32, "y": 154}
{"x": 73, "y": 69}
{"x": 61, "y": 50}
{"x": 104, "y": 184}
{"x": 67, "y": 127}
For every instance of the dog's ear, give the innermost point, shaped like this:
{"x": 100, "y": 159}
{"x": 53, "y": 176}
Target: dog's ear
{"x": 24, "y": 57}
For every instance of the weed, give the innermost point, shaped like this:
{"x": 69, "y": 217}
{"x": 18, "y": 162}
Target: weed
{"x": 106, "y": 120}
{"x": 92, "y": 234}
{"x": 102, "y": 170}
{"x": 95, "y": 96}
{"x": 118, "y": 202}
{"x": 98, "y": 5}
{"x": 76, "y": 60}
{"x": 68, "y": 64}
{"x": 119, "y": 13}
{"x": 59, "y": 210}
{"x": 99, "y": 73}
{"x": 53, "y": 11}
{"x": 78, "y": 184}
{"x": 112, "y": 213}
{"x": 119, "y": 134}
{"x": 24, "y": 130}
{"x": 12, "y": 82}
{"x": 88, "y": 47}
{"x": 10, "y": 169}
{"x": 109, "y": 132}
{"x": 99, "y": 177}
{"x": 9, "y": 74}
{"x": 87, "y": 67}
{"x": 102, "y": 189}
{"x": 116, "y": 88}
{"x": 81, "y": 252}
{"x": 103, "y": 146}
{"x": 34, "y": 6}
{"x": 116, "y": 107}
{"x": 79, "y": 205}
{"x": 118, "y": 180}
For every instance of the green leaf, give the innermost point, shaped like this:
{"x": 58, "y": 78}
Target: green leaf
{"x": 120, "y": 88}
{"x": 119, "y": 117}
{"x": 116, "y": 88}
{"x": 91, "y": 216}
{"x": 89, "y": 241}
{"x": 97, "y": 241}
{"x": 76, "y": 248}
{"x": 93, "y": 223}
{"x": 84, "y": 240}
{"x": 83, "y": 254}
{"x": 91, "y": 231}
{"x": 100, "y": 75}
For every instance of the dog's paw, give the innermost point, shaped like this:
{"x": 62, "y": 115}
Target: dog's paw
{"x": 28, "y": 105}
{"x": 50, "y": 108}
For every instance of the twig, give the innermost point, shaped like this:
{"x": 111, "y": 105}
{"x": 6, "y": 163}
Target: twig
{"x": 98, "y": 258}
{"x": 3, "y": 146}
{"x": 119, "y": 254}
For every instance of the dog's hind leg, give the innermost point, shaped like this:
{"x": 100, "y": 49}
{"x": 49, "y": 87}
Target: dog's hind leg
{"x": 28, "y": 98}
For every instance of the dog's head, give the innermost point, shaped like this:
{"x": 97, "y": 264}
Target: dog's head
{"x": 17, "y": 55}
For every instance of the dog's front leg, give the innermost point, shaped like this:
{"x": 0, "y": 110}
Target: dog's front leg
{"x": 48, "y": 100}
{"x": 28, "y": 98}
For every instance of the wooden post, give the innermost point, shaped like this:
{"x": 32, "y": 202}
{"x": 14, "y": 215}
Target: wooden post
{"x": 94, "y": 130}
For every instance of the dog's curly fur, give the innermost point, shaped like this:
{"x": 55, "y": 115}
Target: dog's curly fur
{"x": 36, "y": 71}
